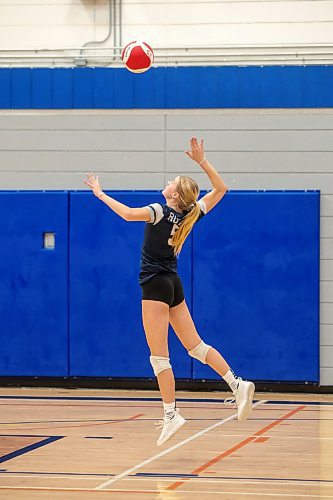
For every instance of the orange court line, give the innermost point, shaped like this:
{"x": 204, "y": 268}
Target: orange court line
{"x": 279, "y": 420}
{"x": 228, "y": 452}
{"x": 133, "y": 417}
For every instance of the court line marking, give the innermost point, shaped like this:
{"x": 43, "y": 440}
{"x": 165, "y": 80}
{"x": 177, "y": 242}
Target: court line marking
{"x": 197, "y": 479}
{"x": 129, "y": 419}
{"x": 190, "y": 492}
{"x": 163, "y": 476}
{"x": 221, "y": 481}
{"x": 151, "y": 398}
{"x": 236, "y": 447}
{"x": 97, "y": 475}
{"x": 151, "y": 419}
{"x": 172, "y": 448}
{"x": 166, "y": 478}
{"x": 30, "y": 447}
{"x": 51, "y": 421}
{"x": 109, "y": 404}
{"x": 40, "y": 476}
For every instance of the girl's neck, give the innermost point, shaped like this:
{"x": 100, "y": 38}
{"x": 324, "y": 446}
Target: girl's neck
{"x": 175, "y": 208}
{"x": 172, "y": 204}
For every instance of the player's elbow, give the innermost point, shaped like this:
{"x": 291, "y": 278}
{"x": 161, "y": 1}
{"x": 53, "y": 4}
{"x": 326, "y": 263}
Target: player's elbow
{"x": 126, "y": 215}
{"x": 129, "y": 215}
{"x": 221, "y": 190}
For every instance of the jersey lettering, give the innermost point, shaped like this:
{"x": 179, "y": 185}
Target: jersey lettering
{"x": 157, "y": 252}
{"x": 175, "y": 227}
{"x": 173, "y": 218}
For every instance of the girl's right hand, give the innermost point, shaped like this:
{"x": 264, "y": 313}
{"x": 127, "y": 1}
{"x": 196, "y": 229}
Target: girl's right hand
{"x": 197, "y": 152}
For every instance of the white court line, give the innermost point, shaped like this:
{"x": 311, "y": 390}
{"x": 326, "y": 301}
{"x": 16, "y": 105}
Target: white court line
{"x": 190, "y": 492}
{"x": 199, "y": 479}
{"x": 172, "y": 448}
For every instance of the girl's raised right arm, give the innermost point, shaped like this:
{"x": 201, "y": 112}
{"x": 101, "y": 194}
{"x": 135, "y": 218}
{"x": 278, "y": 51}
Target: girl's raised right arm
{"x": 197, "y": 154}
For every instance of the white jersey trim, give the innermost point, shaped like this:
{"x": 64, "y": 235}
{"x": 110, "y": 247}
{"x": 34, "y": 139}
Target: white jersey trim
{"x": 156, "y": 213}
{"x": 202, "y": 205}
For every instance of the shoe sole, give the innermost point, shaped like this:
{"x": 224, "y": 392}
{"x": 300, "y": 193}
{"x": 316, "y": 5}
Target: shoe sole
{"x": 248, "y": 407}
{"x": 176, "y": 429}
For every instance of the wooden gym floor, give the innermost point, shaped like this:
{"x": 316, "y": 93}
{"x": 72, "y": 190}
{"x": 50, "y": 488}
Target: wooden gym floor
{"x": 87, "y": 444}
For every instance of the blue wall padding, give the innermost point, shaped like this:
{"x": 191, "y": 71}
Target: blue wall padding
{"x": 250, "y": 270}
{"x": 62, "y": 89}
{"x": 255, "y": 282}
{"x": 20, "y": 88}
{"x": 41, "y": 88}
{"x": 5, "y": 90}
{"x": 106, "y": 333}
{"x": 168, "y": 87}
{"x": 33, "y": 285}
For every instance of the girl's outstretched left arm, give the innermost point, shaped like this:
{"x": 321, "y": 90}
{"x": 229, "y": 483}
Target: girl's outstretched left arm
{"x": 127, "y": 213}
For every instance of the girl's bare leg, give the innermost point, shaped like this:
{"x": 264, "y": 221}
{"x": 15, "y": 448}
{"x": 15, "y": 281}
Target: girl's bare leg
{"x": 185, "y": 330}
{"x": 182, "y": 323}
{"x": 155, "y": 316}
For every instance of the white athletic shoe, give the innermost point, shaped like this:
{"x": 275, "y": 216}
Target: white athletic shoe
{"x": 243, "y": 397}
{"x": 170, "y": 427}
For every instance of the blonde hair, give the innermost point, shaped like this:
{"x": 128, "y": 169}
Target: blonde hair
{"x": 188, "y": 191}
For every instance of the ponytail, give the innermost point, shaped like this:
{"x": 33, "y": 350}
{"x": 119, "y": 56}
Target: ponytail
{"x": 185, "y": 227}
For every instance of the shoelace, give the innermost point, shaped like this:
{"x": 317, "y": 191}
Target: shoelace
{"x": 160, "y": 423}
{"x": 232, "y": 401}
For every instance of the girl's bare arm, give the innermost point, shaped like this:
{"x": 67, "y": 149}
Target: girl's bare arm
{"x": 197, "y": 154}
{"x": 127, "y": 213}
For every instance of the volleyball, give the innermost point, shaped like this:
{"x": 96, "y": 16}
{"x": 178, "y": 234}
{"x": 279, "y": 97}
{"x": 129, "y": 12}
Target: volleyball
{"x": 137, "y": 56}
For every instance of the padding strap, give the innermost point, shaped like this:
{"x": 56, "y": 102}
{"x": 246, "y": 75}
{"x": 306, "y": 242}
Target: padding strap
{"x": 200, "y": 352}
{"x": 159, "y": 364}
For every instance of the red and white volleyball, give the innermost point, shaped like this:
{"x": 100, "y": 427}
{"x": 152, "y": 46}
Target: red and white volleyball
{"x": 137, "y": 56}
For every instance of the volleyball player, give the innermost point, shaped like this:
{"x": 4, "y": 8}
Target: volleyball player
{"x": 163, "y": 300}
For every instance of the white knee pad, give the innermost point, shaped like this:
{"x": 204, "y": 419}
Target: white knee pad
{"x": 200, "y": 352}
{"x": 159, "y": 364}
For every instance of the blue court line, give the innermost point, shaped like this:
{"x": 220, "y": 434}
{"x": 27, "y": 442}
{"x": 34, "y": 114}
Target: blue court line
{"x": 156, "y": 474}
{"x": 26, "y": 449}
{"x": 171, "y": 475}
{"x": 183, "y": 400}
{"x": 98, "y": 437}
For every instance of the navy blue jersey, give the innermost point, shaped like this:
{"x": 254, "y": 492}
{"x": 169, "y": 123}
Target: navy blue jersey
{"x": 157, "y": 254}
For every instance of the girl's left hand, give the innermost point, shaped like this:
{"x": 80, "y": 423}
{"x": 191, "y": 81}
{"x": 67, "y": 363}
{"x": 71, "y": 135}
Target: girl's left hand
{"x": 93, "y": 183}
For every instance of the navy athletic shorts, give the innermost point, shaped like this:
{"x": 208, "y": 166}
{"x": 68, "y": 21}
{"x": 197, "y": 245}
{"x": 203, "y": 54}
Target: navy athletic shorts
{"x": 164, "y": 287}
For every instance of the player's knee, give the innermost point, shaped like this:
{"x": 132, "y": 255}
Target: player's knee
{"x": 159, "y": 364}
{"x": 200, "y": 352}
